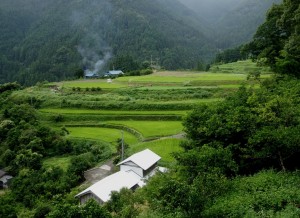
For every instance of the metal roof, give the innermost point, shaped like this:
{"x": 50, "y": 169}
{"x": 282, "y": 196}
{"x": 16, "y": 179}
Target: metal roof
{"x": 2, "y": 173}
{"x": 114, "y": 182}
{"x": 144, "y": 159}
{"x": 115, "y": 72}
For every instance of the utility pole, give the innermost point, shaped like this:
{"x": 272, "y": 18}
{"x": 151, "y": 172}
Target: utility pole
{"x": 122, "y": 142}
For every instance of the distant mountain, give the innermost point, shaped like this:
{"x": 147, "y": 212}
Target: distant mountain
{"x": 51, "y": 40}
{"x": 233, "y": 22}
{"x": 239, "y": 25}
{"x": 210, "y": 10}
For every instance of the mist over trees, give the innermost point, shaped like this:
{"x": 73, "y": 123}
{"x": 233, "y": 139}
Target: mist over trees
{"x": 233, "y": 22}
{"x": 55, "y": 39}
{"x": 276, "y": 42}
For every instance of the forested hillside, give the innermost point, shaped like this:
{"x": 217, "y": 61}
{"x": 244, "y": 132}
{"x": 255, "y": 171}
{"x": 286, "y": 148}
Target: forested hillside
{"x": 239, "y": 24}
{"x": 234, "y": 22}
{"x": 277, "y": 41}
{"x": 53, "y": 40}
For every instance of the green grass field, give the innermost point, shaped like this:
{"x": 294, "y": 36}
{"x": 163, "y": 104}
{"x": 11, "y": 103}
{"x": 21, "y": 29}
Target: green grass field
{"x": 181, "y": 77}
{"x": 102, "y": 83}
{"x": 62, "y": 162}
{"x": 153, "y": 128}
{"x": 162, "y": 147}
{"x": 139, "y": 103}
{"x": 104, "y": 134}
{"x": 187, "y": 101}
{"x": 108, "y": 112}
{"x": 240, "y": 67}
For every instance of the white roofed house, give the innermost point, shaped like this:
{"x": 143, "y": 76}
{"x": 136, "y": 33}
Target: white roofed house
{"x": 143, "y": 163}
{"x": 114, "y": 73}
{"x": 133, "y": 172}
{"x": 101, "y": 190}
{"x": 91, "y": 75}
{"x": 4, "y": 179}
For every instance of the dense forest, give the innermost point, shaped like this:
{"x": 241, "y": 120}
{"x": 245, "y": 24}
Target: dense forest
{"x": 53, "y": 40}
{"x": 56, "y": 40}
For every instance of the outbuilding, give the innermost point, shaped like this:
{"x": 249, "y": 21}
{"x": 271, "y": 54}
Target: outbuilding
{"x": 134, "y": 171}
{"x": 4, "y": 179}
{"x": 114, "y": 73}
{"x": 101, "y": 190}
{"x": 142, "y": 163}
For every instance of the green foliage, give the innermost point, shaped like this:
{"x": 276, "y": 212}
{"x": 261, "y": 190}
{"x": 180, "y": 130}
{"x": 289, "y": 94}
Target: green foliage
{"x": 266, "y": 194}
{"x": 194, "y": 163}
{"x": 276, "y": 42}
{"x": 9, "y": 87}
{"x": 123, "y": 203}
{"x": 18, "y": 113}
{"x": 91, "y": 209}
{"x": 8, "y": 206}
{"x": 231, "y": 55}
{"x": 169, "y": 194}
{"x": 259, "y": 127}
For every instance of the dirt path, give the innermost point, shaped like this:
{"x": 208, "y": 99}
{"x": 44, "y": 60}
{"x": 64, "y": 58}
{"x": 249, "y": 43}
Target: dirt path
{"x": 96, "y": 174}
{"x": 177, "y": 136}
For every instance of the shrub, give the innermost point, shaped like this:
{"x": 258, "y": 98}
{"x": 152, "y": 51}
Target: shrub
{"x": 58, "y": 118}
{"x": 146, "y": 72}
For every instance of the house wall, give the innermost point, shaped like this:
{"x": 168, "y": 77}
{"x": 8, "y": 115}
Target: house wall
{"x": 128, "y": 166}
{"x": 5, "y": 181}
{"x": 149, "y": 170}
{"x": 88, "y": 196}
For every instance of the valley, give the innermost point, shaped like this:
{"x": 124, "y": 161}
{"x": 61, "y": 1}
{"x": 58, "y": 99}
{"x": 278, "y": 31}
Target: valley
{"x": 147, "y": 110}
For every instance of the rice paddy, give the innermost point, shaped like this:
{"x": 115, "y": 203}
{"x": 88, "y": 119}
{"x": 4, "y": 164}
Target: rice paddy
{"x": 145, "y": 108}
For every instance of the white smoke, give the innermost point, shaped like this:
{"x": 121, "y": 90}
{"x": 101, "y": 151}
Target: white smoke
{"x": 92, "y": 19}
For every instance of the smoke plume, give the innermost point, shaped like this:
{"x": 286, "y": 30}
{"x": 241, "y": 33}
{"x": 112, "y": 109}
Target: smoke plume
{"x": 93, "y": 20}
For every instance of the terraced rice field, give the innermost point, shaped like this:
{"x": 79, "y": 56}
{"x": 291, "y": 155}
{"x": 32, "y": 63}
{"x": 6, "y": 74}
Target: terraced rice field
{"x": 144, "y": 108}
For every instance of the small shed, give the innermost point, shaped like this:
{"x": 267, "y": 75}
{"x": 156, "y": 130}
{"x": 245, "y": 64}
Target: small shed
{"x": 114, "y": 73}
{"x": 4, "y": 179}
{"x": 142, "y": 163}
{"x": 91, "y": 75}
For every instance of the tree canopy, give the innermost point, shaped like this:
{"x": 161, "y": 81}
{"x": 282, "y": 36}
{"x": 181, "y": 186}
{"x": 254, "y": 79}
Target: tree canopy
{"x": 276, "y": 41}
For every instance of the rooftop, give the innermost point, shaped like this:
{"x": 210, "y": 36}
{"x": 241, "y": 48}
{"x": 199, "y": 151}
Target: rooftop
{"x": 114, "y": 182}
{"x": 2, "y": 173}
{"x": 145, "y": 159}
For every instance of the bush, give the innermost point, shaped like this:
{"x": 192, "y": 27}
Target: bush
{"x": 146, "y": 72}
{"x": 58, "y": 118}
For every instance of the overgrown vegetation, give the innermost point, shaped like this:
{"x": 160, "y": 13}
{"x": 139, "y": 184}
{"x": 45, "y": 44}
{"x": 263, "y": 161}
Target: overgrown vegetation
{"x": 276, "y": 42}
{"x": 25, "y": 143}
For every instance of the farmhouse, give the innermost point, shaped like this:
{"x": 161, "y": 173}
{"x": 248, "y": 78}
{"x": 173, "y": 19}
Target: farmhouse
{"x": 4, "y": 179}
{"x": 91, "y": 75}
{"x": 113, "y": 73}
{"x": 142, "y": 163}
{"x": 101, "y": 190}
{"x": 133, "y": 172}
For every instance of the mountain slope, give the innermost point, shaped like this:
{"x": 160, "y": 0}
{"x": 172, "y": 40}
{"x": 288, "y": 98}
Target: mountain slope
{"x": 233, "y": 22}
{"x": 52, "y": 40}
{"x": 240, "y": 24}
